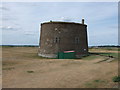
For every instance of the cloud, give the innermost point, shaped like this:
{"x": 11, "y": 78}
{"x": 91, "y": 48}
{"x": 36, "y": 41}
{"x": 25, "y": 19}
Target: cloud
{"x": 4, "y": 8}
{"x": 29, "y": 33}
{"x": 9, "y": 28}
{"x": 66, "y": 19}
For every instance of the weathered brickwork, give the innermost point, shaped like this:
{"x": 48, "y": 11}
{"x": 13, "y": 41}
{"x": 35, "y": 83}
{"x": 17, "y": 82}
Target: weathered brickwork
{"x": 63, "y": 36}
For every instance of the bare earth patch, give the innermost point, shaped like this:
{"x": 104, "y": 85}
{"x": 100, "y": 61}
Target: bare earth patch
{"x": 22, "y": 68}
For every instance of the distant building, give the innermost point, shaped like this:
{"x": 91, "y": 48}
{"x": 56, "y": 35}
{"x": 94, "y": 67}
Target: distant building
{"x": 63, "y": 36}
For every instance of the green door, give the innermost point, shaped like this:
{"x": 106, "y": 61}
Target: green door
{"x": 68, "y": 55}
{"x": 60, "y": 55}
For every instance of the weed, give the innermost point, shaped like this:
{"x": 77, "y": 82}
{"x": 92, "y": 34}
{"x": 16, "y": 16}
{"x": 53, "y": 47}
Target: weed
{"x": 116, "y": 79}
{"x": 90, "y": 85}
{"x": 30, "y": 71}
{"x": 98, "y": 81}
{"x": 95, "y": 83}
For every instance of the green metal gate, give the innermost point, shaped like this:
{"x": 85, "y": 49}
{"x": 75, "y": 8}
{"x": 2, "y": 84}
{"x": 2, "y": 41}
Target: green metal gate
{"x": 66, "y": 55}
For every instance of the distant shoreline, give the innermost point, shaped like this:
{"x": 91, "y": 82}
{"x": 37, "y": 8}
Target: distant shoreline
{"x": 38, "y": 46}
{"x": 19, "y": 45}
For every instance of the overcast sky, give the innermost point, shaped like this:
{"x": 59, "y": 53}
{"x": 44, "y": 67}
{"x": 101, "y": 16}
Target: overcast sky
{"x": 21, "y": 20}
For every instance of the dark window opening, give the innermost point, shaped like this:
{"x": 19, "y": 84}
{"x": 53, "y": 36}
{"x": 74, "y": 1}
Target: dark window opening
{"x": 77, "y": 40}
{"x": 57, "y": 40}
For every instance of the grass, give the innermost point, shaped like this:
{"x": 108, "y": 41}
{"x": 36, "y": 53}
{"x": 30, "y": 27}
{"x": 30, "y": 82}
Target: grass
{"x": 116, "y": 79}
{"x": 89, "y": 85}
{"x": 10, "y": 68}
{"x": 9, "y": 63}
{"x": 91, "y": 57}
{"x": 98, "y": 81}
{"x": 109, "y": 54}
{"x": 94, "y": 83}
{"x": 112, "y": 49}
{"x": 34, "y": 56}
{"x": 30, "y": 71}
{"x": 115, "y": 55}
{"x": 38, "y": 57}
{"x": 27, "y": 56}
{"x": 106, "y": 48}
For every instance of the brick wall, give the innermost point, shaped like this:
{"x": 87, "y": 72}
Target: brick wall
{"x": 58, "y": 37}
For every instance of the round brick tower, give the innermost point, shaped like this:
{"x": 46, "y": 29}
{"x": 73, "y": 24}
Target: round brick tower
{"x": 63, "y": 36}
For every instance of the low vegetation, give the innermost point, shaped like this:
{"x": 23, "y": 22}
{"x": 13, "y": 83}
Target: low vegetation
{"x": 9, "y": 68}
{"x": 30, "y": 71}
{"x": 116, "y": 79}
{"x": 109, "y": 54}
{"x": 95, "y": 83}
{"x": 91, "y": 57}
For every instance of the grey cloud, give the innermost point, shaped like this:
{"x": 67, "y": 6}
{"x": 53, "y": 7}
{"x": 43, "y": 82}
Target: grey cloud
{"x": 9, "y": 28}
{"x": 8, "y": 18}
{"x": 66, "y": 19}
{"x": 29, "y": 33}
{"x": 4, "y": 8}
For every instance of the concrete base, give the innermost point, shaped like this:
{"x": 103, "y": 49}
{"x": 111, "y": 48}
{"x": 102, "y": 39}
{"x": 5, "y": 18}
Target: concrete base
{"x": 55, "y": 55}
{"x": 48, "y": 55}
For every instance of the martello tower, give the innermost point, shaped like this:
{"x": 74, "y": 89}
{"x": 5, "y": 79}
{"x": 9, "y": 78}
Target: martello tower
{"x": 63, "y": 36}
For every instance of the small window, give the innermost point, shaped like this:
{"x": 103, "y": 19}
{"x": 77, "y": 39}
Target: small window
{"x": 57, "y": 40}
{"x": 77, "y": 40}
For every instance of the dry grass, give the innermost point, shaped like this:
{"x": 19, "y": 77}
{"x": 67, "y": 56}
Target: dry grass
{"x": 22, "y": 68}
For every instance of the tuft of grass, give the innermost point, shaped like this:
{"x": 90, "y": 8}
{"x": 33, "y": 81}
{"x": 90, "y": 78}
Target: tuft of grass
{"x": 110, "y": 54}
{"x": 95, "y": 83}
{"x": 98, "y": 81}
{"x": 30, "y": 71}
{"x": 116, "y": 79}
{"x": 10, "y": 68}
{"x": 8, "y": 63}
{"x": 90, "y": 85}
